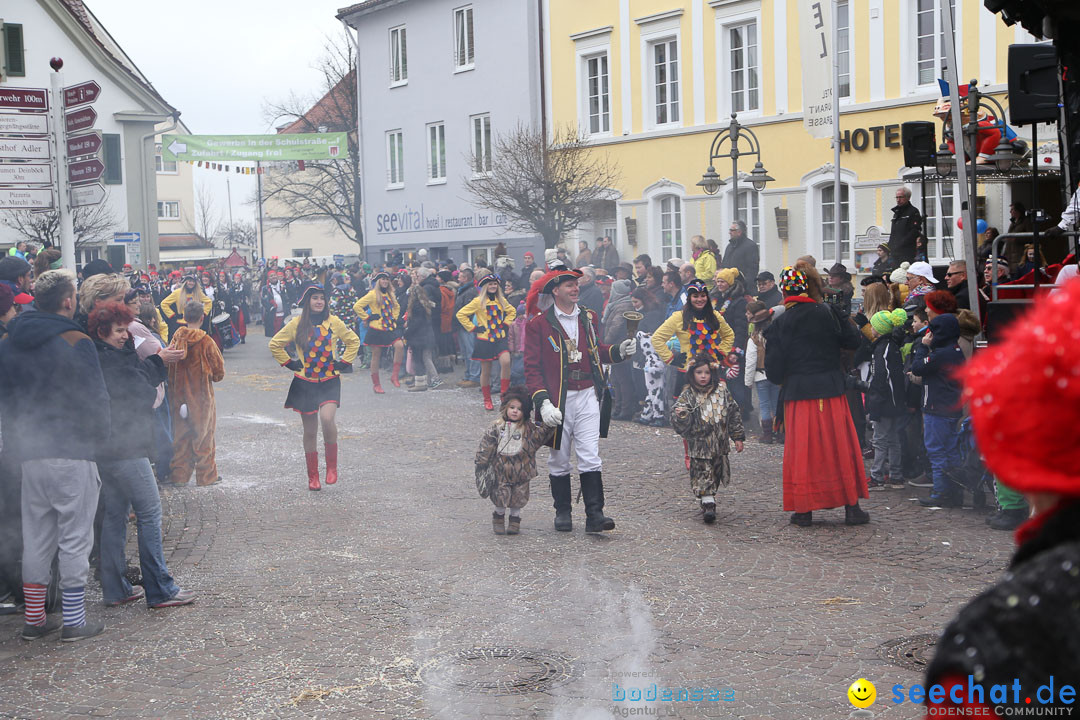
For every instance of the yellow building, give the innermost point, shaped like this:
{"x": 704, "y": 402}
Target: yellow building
{"x": 652, "y": 81}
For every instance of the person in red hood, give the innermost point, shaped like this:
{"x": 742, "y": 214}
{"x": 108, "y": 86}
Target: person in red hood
{"x": 1024, "y": 395}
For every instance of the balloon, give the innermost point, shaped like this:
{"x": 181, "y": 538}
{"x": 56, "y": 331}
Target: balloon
{"x": 980, "y": 227}
{"x": 960, "y": 222}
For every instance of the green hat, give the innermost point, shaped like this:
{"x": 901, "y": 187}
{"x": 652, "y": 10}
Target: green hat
{"x": 884, "y": 321}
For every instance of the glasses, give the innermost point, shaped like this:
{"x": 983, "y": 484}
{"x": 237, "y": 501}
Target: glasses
{"x": 958, "y": 272}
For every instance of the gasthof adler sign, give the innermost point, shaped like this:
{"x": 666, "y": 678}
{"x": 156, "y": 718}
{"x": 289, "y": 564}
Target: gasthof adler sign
{"x": 255, "y": 148}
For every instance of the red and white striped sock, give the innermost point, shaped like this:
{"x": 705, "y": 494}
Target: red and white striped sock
{"x": 34, "y": 596}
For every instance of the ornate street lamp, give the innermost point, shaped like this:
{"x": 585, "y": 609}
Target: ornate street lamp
{"x": 945, "y": 161}
{"x": 733, "y": 134}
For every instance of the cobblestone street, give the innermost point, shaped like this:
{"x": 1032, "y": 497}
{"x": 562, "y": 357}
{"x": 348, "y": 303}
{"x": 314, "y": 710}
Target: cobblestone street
{"x": 388, "y": 596}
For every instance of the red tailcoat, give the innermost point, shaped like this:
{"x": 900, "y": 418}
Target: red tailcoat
{"x": 547, "y": 362}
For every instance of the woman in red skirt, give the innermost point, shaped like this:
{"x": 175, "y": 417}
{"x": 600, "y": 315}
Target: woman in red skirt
{"x": 823, "y": 465}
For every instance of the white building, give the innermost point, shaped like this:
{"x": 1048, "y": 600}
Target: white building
{"x": 130, "y": 112}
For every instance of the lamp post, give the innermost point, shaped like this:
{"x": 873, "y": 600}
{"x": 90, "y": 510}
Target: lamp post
{"x": 710, "y": 182}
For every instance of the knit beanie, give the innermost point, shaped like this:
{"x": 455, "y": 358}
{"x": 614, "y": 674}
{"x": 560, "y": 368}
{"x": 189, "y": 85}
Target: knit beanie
{"x": 884, "y": 321}
{"x": 899, "y": 275}
{"x": 728, "y": 275}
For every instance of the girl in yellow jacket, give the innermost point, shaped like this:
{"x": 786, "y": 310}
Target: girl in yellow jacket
{"x": 700, "y": 330}
{"x": 494, "y": 315}
{"x": 380, "y": 310}
{"x": 315, "y": 392}
{"x": 172, "y": 307}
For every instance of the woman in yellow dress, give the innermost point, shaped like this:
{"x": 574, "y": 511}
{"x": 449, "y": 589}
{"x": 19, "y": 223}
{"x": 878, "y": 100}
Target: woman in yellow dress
{"x": 381, "y": 311}
{"x": 494, "y": 315}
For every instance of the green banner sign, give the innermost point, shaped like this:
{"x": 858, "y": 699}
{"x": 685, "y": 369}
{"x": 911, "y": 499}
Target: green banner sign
{"x": 265, "y": 148}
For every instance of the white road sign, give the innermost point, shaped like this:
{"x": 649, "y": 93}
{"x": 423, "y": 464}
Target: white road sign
{"x": 25, "y": 174}
{"x": 87, "y": 194}
{"x": 21, "y": 149}
{"x": 23, "y": 124}
{"x": 25, "y": 198}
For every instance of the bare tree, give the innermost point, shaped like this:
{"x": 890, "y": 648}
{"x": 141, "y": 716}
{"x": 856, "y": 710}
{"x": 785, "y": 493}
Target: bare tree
{"x": 93, "y": 224}
{"x": 324, "y": 189}
{"x": 207, "y": 218}
{"x": 546, "y": 186}
{"x": 239, "y": 233}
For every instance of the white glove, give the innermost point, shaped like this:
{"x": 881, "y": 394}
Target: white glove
{"x": 183, "y": 411}
{"x": 550, "y": 414}
{"x": 628, "y": 348}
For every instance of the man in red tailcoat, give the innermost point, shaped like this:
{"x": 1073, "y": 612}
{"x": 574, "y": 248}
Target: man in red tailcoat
{"x": 564, "y": 373}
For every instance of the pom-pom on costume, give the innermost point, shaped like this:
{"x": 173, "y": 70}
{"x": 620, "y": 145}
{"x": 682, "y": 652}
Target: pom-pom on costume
{"x": 191, "y": 387}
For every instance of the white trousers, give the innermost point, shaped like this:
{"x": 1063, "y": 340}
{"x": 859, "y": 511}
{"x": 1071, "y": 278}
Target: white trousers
{"x": 580, "y": 428}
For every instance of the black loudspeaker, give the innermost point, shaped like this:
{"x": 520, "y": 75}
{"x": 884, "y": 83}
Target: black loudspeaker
{"x": 1033, "y": 84}
{"x": 917, "y": 137}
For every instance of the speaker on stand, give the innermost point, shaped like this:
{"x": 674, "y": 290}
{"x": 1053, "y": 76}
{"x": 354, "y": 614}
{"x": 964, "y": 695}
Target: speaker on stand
{"x": 920, "y": 149}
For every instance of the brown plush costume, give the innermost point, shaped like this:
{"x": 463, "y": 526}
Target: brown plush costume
{"x": 191, "y": 383}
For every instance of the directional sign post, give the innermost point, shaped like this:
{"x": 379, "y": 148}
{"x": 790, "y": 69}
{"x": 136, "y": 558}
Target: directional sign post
{"x": 26, "y": 174}
{"x": 283, "y": 146}
{"x": 24, "y": 98}
{"x": 25, "y": 198}
{"x": 24, "y": 149}
{"x": 85, "y": 170}
{"x": 88, "y": 144}
{"x": 81, "y": 94}
{"x": 23, "y": 124}
{"x": 91, "y": 194}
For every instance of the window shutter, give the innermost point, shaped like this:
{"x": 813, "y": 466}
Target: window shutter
{"x": 114, "y": 173}
{"x": 14, "y": 59}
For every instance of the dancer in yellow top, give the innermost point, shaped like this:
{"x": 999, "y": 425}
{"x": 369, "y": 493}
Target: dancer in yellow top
{"x": 172, "y": 307}
{"x": 494, "y": 314}
{"x": 380, "y": 310}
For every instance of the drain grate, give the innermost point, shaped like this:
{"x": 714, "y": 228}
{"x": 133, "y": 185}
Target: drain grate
{"x": 911, "y": 653}
{"x": 498, "y": 671}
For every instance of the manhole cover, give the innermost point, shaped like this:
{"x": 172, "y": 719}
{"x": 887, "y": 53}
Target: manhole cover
{"x": 913, "y": 652}
{"x": 498, "y": 671}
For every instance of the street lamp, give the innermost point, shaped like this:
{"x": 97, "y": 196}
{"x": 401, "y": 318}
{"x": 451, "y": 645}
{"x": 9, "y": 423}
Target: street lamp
{"x": 945, "y": 161}
{"x": 710, "y": 182}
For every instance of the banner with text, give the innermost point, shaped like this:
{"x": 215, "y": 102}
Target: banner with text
{"x": 815, "y": 43}
{"x": 255, "y": 148}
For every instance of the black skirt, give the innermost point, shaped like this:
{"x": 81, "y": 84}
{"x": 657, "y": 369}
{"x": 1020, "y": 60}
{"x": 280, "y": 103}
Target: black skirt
{"x": 490, "y": 350}
{"x": 306, "y": 397}
{"x": 381, "y": 338}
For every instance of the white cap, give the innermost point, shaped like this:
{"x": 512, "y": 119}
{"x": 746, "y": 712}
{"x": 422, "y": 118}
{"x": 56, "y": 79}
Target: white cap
{"x": 922, "y": 270}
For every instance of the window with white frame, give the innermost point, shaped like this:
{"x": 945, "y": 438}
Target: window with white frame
{"x": 743, "y": 69}
{"x": 161, "y": 165}
{"x": 930, "y": 41}
{"x": 749, "y": 211}
{"x": 670, "y": 227}
{"x": 436, "y": 153}
{"x": 399, "y": 57}
{"x": 843, "y": 47}
{"x": 664, "y": 59}
{"x": 828, "y": 225}
{"x": 463, "y": 38}
{"x": 168, "y": 210}
{"x": 597, "y": 94}
{"x": 940, "y": 220}
{"x": 481, "y": 143}
{"x": 395, "y": 159}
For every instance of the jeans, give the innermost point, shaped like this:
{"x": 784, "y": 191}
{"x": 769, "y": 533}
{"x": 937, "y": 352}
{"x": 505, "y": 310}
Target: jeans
{"x": 887, "y": 457}
{"x": 163, "y": 439}
{"x": 127, "y": 483}
{"x": 768, "y": 397}
{"x": 472, "y": 367}
{"x": 943, "y": 448}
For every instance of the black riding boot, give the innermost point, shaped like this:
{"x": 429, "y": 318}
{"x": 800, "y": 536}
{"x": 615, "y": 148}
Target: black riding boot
{"x": 592, "y": 489}
{"x": 560, "y": 492}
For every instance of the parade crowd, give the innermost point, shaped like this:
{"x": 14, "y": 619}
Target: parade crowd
{"x": 865, "y": 394}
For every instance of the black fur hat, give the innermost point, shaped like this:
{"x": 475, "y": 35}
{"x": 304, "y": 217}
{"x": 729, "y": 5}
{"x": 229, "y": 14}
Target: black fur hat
{"x": 519, "y": 393}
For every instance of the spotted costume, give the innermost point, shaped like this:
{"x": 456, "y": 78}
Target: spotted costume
{"x": 708, "y": 421}
{"x": 509, "y": 449}
{"x": 316, "y": 382}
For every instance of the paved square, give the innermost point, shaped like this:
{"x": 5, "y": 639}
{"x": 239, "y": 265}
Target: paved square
{"x": 388, "y": 595}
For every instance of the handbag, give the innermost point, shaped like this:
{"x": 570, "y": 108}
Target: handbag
{"x": 485, "y": 480}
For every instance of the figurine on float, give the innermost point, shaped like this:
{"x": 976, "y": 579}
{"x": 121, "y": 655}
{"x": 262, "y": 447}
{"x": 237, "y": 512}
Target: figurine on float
{"x": 990, "y": 128}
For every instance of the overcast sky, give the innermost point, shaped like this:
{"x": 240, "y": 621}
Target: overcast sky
{"x": 219, "y": 61}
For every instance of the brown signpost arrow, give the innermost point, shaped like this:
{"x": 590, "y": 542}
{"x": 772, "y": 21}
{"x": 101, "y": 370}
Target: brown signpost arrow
{"x": 88, "y": 144}
{"x": 24, "y": 98}
{"x": 81, "y": 119}
{"x": 85, "y": 170}
{"x": 81, "y": 94}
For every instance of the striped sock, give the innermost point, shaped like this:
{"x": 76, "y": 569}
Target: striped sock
{"x": 34, "y": 596}
{"x": 74, "y": 607}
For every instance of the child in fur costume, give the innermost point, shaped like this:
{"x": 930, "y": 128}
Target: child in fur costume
{"x": 191, "y": 390}
{"x": 508, "y": 451}
{"x": 708, "y": 418}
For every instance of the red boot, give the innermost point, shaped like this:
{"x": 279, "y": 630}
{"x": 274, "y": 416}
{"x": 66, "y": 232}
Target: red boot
{"x": 331, "y": 463}
{"x": 486, "y": 390}
{"x": 394, "y": 376}
{"x": 375, "y": 383}
{"x": 504, "y": 385}
{"x": 313, "y": 470}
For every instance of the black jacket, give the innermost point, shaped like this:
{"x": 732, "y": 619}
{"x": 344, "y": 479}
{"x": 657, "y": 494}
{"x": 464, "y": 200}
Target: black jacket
{"x": 804, "y": 351}
{"x": 742, "y": 253}
{"x": 906, "y": 227}
{"x": 941, "y": 388}
{"x": 1027, "y": 626}
{"x": 465, "y": 294}
{"x": 51, "y": 387}
{"x": 132, "y": 385}
{"x": 883, "y": 267}
{"x": 422, "y": 323}
{"x": 771, "y": 297}
{"x": 963, "y": 302}
{"x": 885, "y": 395}
{"x": 592, "y": 298}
